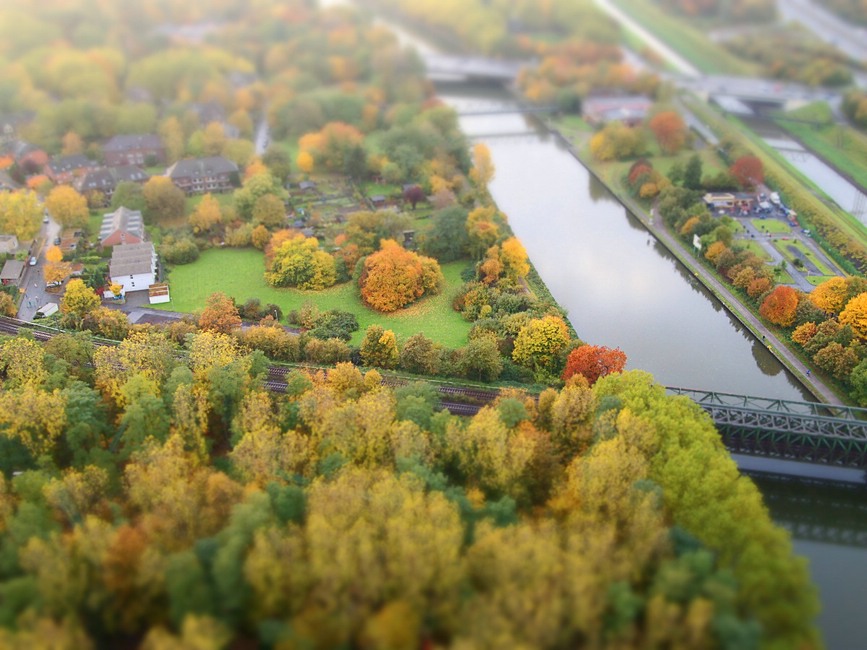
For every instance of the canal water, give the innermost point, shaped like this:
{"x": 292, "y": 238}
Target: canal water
{"x": 621, "y": 288}
{"x": 846, "y": 195}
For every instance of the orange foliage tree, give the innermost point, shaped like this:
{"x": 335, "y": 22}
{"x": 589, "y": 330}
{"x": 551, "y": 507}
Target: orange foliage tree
{"x": 394, "y": 277}
{"x": 593, "y": 362}
{"x": 220, "y": 314}
{"x": 780, "y": 305}
{"x": 670, "y": 131}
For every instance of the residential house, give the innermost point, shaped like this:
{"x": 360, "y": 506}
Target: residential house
{"x": 201, "y": 175}
{"x": 629, "y": 109}
{"x": 29, "y": 158}
{"x": 146, "y": 149}
{"x": 64, "y": 170}
{"x": 123, "y": 226}
{"x": 13, "y": 271}
{"x": 133, "y": 266}
{"x": 106, "y": 179}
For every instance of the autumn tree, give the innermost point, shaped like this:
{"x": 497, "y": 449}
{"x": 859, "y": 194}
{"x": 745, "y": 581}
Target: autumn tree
{"x": 220, "y": 314}
{"x": 7, "y": 305}
{"x": 482, "y": 171}
{"x": 299, "y": 262}
{"x": 513, "y": 257}
{"x": 20, "y": 214}
{"x": 393, "y": 277}
{"x": 670, "y": 131}
{"x": 482, "y": 230}
{"x": 164, "y": 200}
{"x": 253, "y": 189}
{"x": 72, "y": 144}
{"x": 206, "y": 215}
{"x": 593, "y": 362}
{"x": 78, "y": 301}
{"x": 780, "y": 305}
{"x": 269, "y": 211}
{"x": 748, "y": 171}
{"x": 277, "y": 160}
{"x": 68, "y": 207}
{"x": 413, "y": 194}
{"x": 55, "y": 270}
{"x": 539, "y": 344}
{"x": 855, "y": 315}
{"x": 379, "y": 347}
{"x": 831, "y": 296}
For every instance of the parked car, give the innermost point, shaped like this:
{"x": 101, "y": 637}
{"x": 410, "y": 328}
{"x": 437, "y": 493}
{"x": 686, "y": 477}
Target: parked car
{"x": 33, "y": 261}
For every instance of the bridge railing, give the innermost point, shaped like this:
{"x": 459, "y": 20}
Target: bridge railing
{"x": 782, "y": 406}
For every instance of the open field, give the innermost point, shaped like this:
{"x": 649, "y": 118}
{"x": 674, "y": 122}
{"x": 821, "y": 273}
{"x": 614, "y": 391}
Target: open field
{"x": 239, "y": 273}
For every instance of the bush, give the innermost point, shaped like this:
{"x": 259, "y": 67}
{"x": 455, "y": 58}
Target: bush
{"x": 179, "y": 251}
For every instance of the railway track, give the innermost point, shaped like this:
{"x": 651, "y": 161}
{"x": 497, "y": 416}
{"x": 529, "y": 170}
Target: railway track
{"x": 458, "y": 400}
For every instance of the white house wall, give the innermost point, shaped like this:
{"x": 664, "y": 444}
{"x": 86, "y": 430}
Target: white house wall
{"x": 138, "y": 282}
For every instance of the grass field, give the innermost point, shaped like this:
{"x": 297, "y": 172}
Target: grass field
{"x": 783, "y": 246}
{"x": 689, "y": 42}
{"x": 841, "y": 145}
{"x": 239, "y": 273}
{"x": 754, "y": 247}
{"x": 772, "y": 225}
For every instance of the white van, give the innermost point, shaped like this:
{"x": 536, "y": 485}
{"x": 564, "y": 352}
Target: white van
{"x": 47, "y": 310}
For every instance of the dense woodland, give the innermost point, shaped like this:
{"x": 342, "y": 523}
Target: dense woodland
{"x": 155, "y": 493}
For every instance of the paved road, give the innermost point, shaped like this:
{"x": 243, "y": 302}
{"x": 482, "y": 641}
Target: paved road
{"x": 33, "y": 284}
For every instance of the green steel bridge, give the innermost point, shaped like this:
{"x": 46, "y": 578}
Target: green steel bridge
{"x": 785, "y": 429}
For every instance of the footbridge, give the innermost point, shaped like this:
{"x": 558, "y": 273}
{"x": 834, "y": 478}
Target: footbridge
{"x": 786, "y": 429}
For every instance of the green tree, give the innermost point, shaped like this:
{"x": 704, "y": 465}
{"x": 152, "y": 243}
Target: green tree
{"x": 164, "y": 201}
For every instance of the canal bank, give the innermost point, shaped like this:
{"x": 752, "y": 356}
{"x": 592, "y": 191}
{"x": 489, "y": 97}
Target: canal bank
{"x": 732, "y": 304}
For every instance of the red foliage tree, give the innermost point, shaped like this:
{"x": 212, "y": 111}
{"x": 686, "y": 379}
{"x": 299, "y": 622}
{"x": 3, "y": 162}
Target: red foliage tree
{"x": 670, "y": 131}
{"x": 748, "y": 171}
{"x": 780, "y": 306}
{"x": 413, "y": 195}
{"x": 593, "y": 362}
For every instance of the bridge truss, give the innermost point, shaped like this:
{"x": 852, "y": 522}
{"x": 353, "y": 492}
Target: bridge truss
{"x": 786, "y": 429}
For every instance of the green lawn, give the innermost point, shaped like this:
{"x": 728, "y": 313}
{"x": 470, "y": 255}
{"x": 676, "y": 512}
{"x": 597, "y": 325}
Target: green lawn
{"x": 239, "y": 273}
{"x": 783, "y": 245}
{"x": 754, "y": 247}
{"x": 816, "y": 280}
{"x": 841, "y": 145}
{"x": 772, "y": 225}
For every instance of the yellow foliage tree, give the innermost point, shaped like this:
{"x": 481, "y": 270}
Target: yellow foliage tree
{"x": 304, "y": 161}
